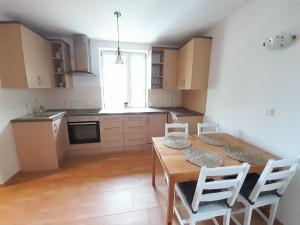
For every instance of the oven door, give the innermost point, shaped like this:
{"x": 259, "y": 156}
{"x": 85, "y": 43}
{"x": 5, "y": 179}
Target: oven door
{"x": 84, "y": 132}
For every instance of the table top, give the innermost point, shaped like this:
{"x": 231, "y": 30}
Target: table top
{"x": 176, "y": 166}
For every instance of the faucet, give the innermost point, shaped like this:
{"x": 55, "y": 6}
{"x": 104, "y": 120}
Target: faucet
{"x": 42, "y": 108}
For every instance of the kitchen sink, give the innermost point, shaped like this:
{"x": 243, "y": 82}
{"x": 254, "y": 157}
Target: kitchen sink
{"x": 46, "y": 114}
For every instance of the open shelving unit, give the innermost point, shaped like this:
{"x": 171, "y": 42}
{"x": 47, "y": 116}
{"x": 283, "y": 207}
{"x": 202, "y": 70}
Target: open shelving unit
{"x": 61, "y": 59}
{"x": 157, "y": 56}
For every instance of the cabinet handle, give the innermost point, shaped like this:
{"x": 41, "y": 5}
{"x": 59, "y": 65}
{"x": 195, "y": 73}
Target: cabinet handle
{"x": 135, "y": 126}
{"x": 135, "y": 139}
{"x": 55, "y": 128}
{"x": 111, "y": 128}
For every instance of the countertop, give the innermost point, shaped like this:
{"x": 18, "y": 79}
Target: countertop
{"x": 40, "y": 117}
{"x": 54, "y": 114}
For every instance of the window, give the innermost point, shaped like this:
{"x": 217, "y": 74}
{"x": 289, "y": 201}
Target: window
{"x": 123, "y": 82}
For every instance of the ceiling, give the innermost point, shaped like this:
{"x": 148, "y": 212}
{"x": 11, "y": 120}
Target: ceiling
{"x": 169, "y": 22}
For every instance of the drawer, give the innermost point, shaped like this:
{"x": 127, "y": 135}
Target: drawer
{"x": 135, "y": 126}
{"x": 111, "y": 127}
{"x": 111, "y": 118}
{"x": 112, "y": 140}
{"x": 82, "y": 118}
{"x": 135, "y": 139}
{"x": 136, "y": 117}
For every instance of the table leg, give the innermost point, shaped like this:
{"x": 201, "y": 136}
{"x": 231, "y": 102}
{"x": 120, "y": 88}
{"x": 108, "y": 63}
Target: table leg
{"x": 171, "y": 194}
{"x": 153, "y": 166}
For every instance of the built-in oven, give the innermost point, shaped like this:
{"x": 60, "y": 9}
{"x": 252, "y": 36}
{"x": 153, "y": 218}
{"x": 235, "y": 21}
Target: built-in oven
{"x": 85, "y": 129}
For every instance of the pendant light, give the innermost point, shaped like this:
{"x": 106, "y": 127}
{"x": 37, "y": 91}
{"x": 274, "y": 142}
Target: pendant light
{"x": 119, "y": 59}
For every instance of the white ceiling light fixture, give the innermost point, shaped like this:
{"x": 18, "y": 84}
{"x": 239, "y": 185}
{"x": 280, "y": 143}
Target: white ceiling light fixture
{"x": 119, "y": 59}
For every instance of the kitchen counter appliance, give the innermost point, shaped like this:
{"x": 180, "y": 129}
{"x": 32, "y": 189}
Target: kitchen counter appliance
{"x": 84, "y": 129}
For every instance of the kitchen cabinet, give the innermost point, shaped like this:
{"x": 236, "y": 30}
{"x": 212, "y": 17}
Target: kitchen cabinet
{"x": 111, "y": 131}
{"x": 163, "y": 68}
{"x": 40, "y": 145}
{"x": 170, "y": 68}
{"x": 156, "y": 126}
{"x": 194, "y": 63}
{"x": 60, "y": 52}
{"x": 25, "y": 58}
{"x": 191, "y": 120}
{"x": 135, "y": 130}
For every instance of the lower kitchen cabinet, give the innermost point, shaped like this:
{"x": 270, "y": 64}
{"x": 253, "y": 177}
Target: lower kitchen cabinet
{"x": 156, "y": 126}
{"x": 131, "y": 131}
{"x": 191, "y": 120}
{"x": 40, "y": 145}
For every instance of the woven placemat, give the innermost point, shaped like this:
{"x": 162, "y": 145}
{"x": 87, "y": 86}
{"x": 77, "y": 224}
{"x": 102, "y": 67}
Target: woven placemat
{"x": 201, "y": 157}
{"x": 212, "y": 139}
{"x": 176, "y": 141}
{"x": 243, "y": 154}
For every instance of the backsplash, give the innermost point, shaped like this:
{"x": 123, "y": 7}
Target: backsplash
{"x": 164, "y": 98}
{"x": 14, "y": 103}
{"x": 75, "y": 98}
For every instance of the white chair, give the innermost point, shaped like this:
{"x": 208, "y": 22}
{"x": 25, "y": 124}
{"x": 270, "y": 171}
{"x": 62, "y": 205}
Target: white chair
{"x": 206, "y": 128}
{"x": 266, "y": 189}
{"x": 177, "y": 126}
{"x": 207, "y": 198}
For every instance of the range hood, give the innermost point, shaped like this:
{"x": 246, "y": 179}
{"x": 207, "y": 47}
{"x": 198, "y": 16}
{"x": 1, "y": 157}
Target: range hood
{"x": 82, "y": 56}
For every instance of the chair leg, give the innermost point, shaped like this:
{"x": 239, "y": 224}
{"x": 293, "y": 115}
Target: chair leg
{"x": 273, "y": 211}
{"x": 226, "y": 219}
{"x": 248, "y": 215}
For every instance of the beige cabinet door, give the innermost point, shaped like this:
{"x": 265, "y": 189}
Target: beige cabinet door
{"x": 194, "y": 63}
{"x": 32, "y": 57}
{"x": 170, "y": 68}
{"x": 46, "y": 66}
{"x": 60, "y": 137}
{"x": 185, "y": 65}
{"x": 156, "y": 126}
{"x": 12, "y": 67}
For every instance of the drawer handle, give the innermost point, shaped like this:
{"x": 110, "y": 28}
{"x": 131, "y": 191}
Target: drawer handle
{"x": 112, "y": 140}
{"x": 135, "y": 139}
{"x": 135, "y": 126}
{"x": 135, "y": 117}
{"x": 111, "y": 118}
{"x": 111, "y": 128}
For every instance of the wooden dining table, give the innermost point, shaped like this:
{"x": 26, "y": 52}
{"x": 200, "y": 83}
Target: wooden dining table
{"x": 178, "y": 169}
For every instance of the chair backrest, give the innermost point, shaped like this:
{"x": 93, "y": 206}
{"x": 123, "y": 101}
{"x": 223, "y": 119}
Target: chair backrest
{"x": 177, "y": 126}
{"x": 206, "y": 128}
{"x": 275, "y": 177}
{"x": 221, "y": 189}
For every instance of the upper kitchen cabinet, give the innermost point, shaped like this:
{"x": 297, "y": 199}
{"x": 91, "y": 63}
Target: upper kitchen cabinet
{"x": 163, "y": 68}
{"x": 61, "y": 59}
{"x": 193, "y": 64}
{"x": 25, "y": 58}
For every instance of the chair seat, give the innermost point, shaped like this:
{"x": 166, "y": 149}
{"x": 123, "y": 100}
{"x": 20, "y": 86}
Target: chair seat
{"x": 188, "y": 190}
{"x": 248, "y": 185}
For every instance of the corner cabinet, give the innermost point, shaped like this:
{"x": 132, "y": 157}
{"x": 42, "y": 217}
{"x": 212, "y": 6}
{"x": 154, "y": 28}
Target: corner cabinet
{"x": 44, "y": 147}
{"x": 194, "y": 63}
{"x": 25, "y": 58}
{"x": 163, "y": 68}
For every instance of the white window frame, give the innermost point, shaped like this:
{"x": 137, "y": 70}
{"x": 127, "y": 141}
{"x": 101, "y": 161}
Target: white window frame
{"x": 129, "y": 93}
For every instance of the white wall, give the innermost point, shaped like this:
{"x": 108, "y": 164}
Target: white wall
{"x": 247, "y": 78}
{"x": 14, "y": 103}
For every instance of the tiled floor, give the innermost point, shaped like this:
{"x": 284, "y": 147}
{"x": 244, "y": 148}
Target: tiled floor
{"x": 110, "y": 189}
